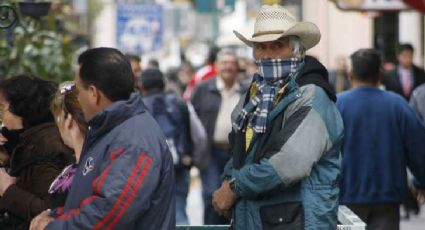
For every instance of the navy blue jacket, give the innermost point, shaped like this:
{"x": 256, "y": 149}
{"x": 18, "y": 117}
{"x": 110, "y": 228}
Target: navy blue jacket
{"x": 125, "y": 179}
{"x": 382, "y": 136}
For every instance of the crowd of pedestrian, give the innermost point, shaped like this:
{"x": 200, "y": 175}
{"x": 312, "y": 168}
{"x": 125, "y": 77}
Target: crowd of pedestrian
{"x": 279, "y": 142}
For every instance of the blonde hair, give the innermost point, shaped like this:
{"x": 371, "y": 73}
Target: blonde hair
{"x": 66, "y": 101}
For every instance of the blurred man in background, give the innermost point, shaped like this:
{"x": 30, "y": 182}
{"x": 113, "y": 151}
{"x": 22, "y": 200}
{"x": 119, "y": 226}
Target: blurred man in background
{"x": 136, "y": 66}
{"x": 382, "y": 137}
{"x": 406, "y": 76}
{"x": 214, "y": 101}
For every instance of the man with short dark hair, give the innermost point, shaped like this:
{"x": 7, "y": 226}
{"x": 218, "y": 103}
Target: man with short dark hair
{"x": 125, "y": 178}
{"x": 406, "y": 76}
{"x": 382, "y": 137}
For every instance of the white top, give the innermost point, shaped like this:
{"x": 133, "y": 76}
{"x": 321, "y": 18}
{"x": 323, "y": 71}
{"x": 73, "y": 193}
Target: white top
{"x": 229, "y": 99}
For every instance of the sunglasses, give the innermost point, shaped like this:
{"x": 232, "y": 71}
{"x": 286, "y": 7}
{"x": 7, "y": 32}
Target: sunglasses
{"x": 64, "y": 91}
{"x": 67, "y": 88}
{"x": 67, "y": 93}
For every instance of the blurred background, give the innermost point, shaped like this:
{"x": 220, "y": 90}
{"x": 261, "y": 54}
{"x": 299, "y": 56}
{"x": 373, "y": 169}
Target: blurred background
{"x": 183, "y": 30}
{"x": 45, "y": 39}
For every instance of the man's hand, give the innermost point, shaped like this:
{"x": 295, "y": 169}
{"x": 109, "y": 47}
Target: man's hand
{"x": 420, "y": 195}
{"x": 224, "y": 199}
{"x": 41, "y": 221}
{"x": 5, "y": 181}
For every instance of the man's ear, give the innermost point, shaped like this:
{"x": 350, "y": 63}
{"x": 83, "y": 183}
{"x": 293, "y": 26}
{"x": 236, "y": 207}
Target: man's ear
{"x": 142, "y": 90}
{"x": 95, "y": 95}
{"x": 351, "y": 76}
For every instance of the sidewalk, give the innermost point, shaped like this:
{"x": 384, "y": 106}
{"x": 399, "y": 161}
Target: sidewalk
{"x": 415, "y": 222}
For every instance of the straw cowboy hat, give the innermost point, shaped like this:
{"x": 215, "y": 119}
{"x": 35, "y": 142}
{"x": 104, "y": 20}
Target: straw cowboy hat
{"x": 274, "y": 22}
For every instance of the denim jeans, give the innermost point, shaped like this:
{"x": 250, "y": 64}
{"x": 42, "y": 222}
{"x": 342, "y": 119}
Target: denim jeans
{"x": 182, "y": 190}
{"x": 211, "y": 181}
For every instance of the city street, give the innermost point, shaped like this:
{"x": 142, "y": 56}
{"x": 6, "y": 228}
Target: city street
{"x": 319, "y": 105}
{"x": 415, "y": 222}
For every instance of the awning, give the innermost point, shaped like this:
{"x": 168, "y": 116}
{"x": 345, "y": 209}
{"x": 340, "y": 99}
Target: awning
{"x": 416, "y": 4}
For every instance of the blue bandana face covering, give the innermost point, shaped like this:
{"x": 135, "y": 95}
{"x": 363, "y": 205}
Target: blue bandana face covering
{"x": 274, "y": 70}
{"x": 272, "y": 74}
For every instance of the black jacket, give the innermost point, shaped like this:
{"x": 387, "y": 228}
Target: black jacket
{"x": 177, "y": 112}
{"x": 392, "y": 80}
{"x": 315, "y": 73}
{"x": 206, "y": 100}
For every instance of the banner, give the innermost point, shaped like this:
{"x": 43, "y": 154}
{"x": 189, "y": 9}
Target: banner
{"x": 139, "y": 28}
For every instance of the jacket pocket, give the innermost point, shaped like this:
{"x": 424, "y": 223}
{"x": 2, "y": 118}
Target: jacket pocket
{"x": 286, "y": 216}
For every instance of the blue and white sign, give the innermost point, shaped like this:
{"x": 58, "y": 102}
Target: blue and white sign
{"x": 139, "y": 27}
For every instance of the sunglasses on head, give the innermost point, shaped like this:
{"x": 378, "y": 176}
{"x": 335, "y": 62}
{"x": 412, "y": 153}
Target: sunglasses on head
{"x": 66, "y": 88}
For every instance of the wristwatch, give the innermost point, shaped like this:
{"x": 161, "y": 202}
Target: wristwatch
{"x": 232, "y": 186}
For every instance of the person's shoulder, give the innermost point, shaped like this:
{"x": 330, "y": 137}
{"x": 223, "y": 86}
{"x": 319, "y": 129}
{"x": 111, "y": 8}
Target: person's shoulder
{"x": 307, "y": 93}
{"x": 206, "y": 84}
{"x": 312, "y": 96}
{"x": 419, "y": 91}
{"x": 420, "y": 88}
{"x": 394, "y": 100}
{"x": 211, "y": 81}
{"x": 390, "y": 95}
{"x": 175, "y": 101}
{"x": 418, "y": 69}
{"x": 204, "y": 70}
{"x": 343, "y": 96}
{"x": 172, "y": 97}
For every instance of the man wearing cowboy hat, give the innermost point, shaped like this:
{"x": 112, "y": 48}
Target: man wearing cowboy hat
{"x": 286, "y": 134}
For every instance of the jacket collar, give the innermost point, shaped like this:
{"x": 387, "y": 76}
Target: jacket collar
{"x": 315, "y": 73}
{"x": 115, "y": 114}
{"x": 39, "y": 143}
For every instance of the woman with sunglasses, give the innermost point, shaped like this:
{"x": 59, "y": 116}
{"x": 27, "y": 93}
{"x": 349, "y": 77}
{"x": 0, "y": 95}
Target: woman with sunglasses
{"x": 32, "y": 141}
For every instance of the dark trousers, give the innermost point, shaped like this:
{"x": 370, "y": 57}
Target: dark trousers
{"x": 211, "y": 181}
{"x": 378, "y": 216}
{"x": 182, "y": 190}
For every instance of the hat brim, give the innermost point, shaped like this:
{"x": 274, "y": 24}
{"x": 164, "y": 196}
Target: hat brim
{"x": 308, "y": 33}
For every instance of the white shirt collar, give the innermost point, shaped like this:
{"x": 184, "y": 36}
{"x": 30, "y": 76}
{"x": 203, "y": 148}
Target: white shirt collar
{"x": 221, "y": 86}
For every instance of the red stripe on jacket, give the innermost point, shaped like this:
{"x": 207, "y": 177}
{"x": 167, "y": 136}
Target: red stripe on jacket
{"x": 133, "y": 194}
{"x": 98, "y": 182}
{"x": 124, "y": 193}
{"x": 97, "y": 185}
{"x": 70, "y": 213}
